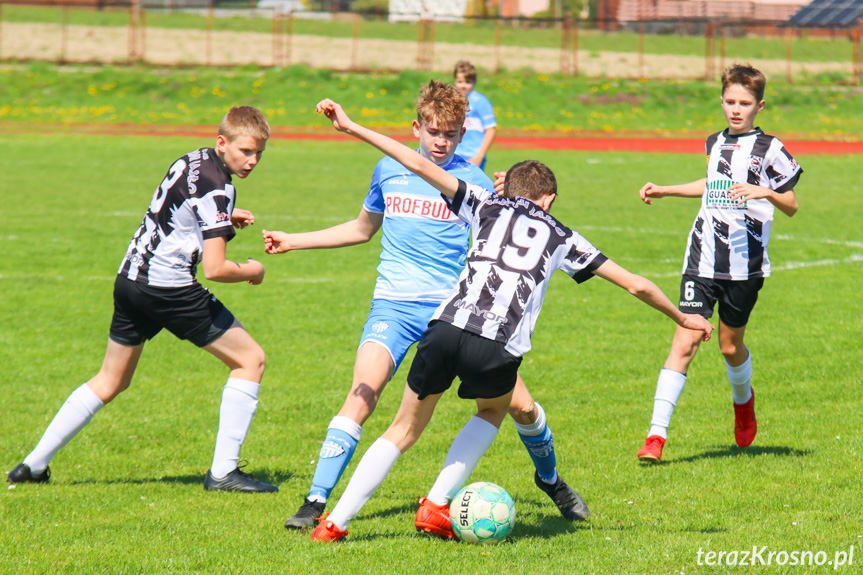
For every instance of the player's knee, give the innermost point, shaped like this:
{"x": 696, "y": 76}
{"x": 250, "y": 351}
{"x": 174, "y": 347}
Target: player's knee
{"x": 492, "y": 415}
{"x": 255, "y": 361}
{"x": 684, "y": 349}
{"x": 402, "y": 435}
{"x": 729, "y": 349}
{"x": 523, "y": 413}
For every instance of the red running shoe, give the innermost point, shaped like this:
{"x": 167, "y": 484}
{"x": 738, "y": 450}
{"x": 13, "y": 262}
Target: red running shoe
{"x": 433, "y": 519}
{"x": 652, "y": 450}
{"x": 745, "y": 426}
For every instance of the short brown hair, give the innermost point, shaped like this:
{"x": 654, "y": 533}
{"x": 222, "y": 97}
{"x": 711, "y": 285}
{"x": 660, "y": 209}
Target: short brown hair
{"x": 747, "y": 76}
{"x": 244, "y": 121}
{"x": 466, "y": 68}
{"x": 530, "y": 179}
{"x": 442, "y": 102}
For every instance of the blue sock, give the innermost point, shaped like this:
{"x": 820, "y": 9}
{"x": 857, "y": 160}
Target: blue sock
{"x": 343, "y": 435}
{"x": 539, "y": 442}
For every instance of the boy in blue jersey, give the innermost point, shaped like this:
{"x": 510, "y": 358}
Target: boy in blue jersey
{"x": 481, "y": 125}
{"x": 481, "y": 331}
{"x": 424, "y": 247}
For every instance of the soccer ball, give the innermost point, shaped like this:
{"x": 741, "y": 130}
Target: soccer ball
{"x": 482, "y": 512}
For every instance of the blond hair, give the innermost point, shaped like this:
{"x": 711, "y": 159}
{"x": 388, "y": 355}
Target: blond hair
{"x": 442, "y": 102}
{"x": 244, "y": 121}
{"x": 530, "y": 179}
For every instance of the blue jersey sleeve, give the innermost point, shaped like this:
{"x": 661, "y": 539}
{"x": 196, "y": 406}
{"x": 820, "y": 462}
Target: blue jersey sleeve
{"x": 374, "y": 201}
{"x": 481, "y": 107}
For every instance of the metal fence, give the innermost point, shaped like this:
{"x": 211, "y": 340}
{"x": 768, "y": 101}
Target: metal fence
{"x": 182, "y": 33}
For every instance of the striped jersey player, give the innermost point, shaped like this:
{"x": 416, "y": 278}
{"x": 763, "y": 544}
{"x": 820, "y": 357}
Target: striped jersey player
{"x": 192, "y": 204}
{"x": 729, "y": 239}
{"x": 481, "y": 331}
{"x": 516, "y": 248}
{"x": 189, "y": 221}
{"x": 749, "y": 176}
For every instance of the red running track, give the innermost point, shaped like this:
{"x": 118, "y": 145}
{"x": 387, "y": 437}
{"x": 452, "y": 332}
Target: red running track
{"x": 587, "y": 142}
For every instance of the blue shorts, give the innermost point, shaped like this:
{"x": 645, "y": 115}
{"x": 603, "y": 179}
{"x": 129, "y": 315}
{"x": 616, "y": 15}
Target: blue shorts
{"x": 397, "y": 325}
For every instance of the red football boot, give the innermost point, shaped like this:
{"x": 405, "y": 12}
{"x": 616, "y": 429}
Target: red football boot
{"x": 327, "y": 531}
{"x": 652, "y": 450}
{"x": 433, "y": 519}
{"x": 745, "y": 426}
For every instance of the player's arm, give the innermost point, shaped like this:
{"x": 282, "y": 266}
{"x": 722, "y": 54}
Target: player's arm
{"x": 487, "y": 139}
{"x": 242, "y": 218}
{"x": 219, "y": 269}
{"x": 439, "y": 178}
{"x": 691, "y": 190}
{"x": 785, "y": 202}
{"x": 357, "y": 231}
{"x": 649, "y": 293}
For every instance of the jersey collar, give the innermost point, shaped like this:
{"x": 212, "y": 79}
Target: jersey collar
{"x": 220, "y": 163}
{"x": 756, "y": 131}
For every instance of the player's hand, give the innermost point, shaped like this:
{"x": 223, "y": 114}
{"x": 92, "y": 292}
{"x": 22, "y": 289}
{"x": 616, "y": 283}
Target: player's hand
{"x": 256, "y": 268}
{"x": 276, "y": 242}
{"x": 335, "y": 113}
{"x": 698, "y": 323}
{"x": 740, "y": 192}
{"x": 242, "y": 218}
{"x": 648, "y": 191}
{"x": 499, "y": 181}
{"x": 477, "y": 160}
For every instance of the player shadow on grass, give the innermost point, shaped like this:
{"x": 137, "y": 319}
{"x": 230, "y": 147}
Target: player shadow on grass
{"x": 722, "y": 451}
{"x": 273, "y": 477}
{"x": 550, "y": 523}
{"x": 545, "y": 522}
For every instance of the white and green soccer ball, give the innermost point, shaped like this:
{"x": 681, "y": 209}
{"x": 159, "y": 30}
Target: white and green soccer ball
{"x": 482, "y": 512}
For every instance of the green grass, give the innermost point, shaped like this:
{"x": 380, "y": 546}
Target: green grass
{"x": 43, "y": 93}
{"x": 805, "y": 47}
{"x": 127, "y": 494}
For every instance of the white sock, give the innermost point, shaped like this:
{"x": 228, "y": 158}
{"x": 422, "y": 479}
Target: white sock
{"x": 740, "y": 378}
{"x": 669, "y": 386}
{"x": 239, "y": 403}
{"x": 368, "y": 476}
{"x": 347, "y": 425}
{"x": 77, "y": 412}
{"x": 469, "y": 445}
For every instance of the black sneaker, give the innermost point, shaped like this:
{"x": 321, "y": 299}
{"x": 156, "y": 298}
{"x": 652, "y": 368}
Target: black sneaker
{"x": 22, "y": 474}
{"x": 307, "y": 516}
{"x": 570, "y": 503}
{"x": 238, "y": 481}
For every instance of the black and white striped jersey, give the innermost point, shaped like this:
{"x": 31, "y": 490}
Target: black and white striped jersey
{"x": 516, "y": 247}
{"x": 729, "y": 241}
{"x": 192, "y": 204}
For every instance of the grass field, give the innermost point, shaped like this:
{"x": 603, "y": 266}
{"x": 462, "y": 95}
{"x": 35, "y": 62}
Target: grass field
{"x": 127, "y": 497}
{"x": 42, "y": 93}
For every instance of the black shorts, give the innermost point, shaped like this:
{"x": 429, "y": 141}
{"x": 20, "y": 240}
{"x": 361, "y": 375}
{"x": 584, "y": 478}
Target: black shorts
{"x": 736, "y": 298}
{"x": 190, "y": 312}
{"x": 485, "y": 368}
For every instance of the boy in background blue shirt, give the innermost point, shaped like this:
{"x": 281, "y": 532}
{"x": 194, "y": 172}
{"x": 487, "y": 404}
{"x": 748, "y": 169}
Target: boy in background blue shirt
{"x": 480, "y": 125}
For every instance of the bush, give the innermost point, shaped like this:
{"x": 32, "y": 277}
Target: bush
{"x": 371, "y": 6}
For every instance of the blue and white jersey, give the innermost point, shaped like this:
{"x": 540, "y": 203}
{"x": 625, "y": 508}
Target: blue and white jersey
{"x": 479, "y": 119}
{"x": 424, "y": 243}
